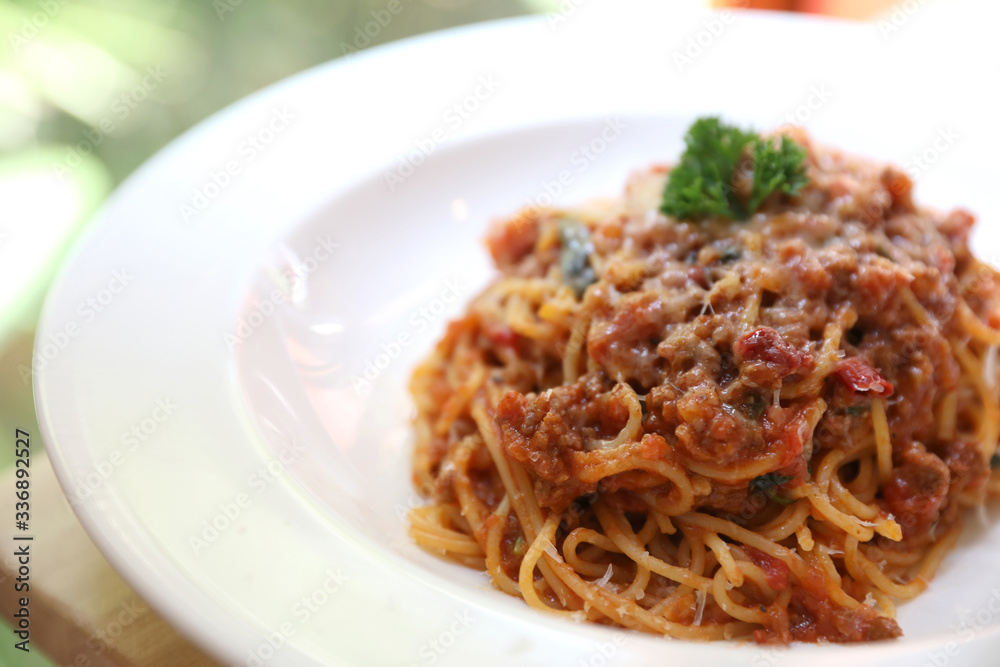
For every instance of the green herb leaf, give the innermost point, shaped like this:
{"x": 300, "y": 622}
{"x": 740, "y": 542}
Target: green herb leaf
{"x": 766, "y": 484}
{"x": 778, "y": 498}
{"x": 858, "y": 410}
{"x": 518, "y": 549}
{"x": 776, "y": 169}
{"x": 701, "y": 185}
{"x": 731, "y": 254}
{"x": 995, "y": 460}
{"x": 753, "y": 405}
{"x": 574, "y": 257}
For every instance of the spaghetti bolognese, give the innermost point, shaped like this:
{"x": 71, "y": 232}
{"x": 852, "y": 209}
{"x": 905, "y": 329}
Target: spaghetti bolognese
{"x": 753, "y": 416}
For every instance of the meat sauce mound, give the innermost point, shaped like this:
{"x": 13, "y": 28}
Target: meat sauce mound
{"x": 764, "y": 339}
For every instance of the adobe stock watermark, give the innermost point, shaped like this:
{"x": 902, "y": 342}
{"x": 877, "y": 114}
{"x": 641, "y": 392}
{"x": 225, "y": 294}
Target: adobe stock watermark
{"x": 765, "y": 657}
{"x": 223, "y": 7}
{"x": 413, "y": 501}
{"x": 899, "y": 16}
{"x": 969, "y": 626}
{"x": 819, "y": 95}
{"x": 364, "y": 34}
{"x": 581, "y": 158}
{"x": 713, "y": 27}
{"x": 432, "y": 649}
{"x": 918, "y": 163}
{"x": 302, "y": 611}
{"x": 88, "y": 310}
{"x": 32, "y": 24}
{"x": 102, "y": 639}
{"x": 129, "y": 442}
{"x": 915, "y": 166}
{"x": 219, "y": 179}
{"x": 453, "y": 118}
{"x": 605, "y": 653}
{"x": 229, "y": 511}
{"x": 121, "y": 109}
{"x": 418, "y": 322}
{"x": 267, "y": 306}
{"x": 565, "y": 10}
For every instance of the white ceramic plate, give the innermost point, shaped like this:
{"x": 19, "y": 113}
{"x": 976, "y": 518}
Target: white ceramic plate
{"x": 221, "y": 366}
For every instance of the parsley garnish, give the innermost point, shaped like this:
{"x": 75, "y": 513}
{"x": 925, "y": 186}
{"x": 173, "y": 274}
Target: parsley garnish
{"x": 858, "y": 410}
{"x": 702, "y": 184}
{"x": 766, "y": 484}
{"x": 776, "y": 169}
{"x": 995, "y": 460}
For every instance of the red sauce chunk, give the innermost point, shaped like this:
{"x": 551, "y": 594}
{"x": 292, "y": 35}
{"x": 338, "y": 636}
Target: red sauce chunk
{"x": 500, "y": 335}
{"x": 775, "y": 570}
{"x": 767, "y": 358}
{"x": 860, "y": 377}
{"x": 917, "y": 491}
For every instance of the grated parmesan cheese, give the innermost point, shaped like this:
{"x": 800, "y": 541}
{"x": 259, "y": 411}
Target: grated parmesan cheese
{"x": 606, "y": 578}
{"x": 699, "y": 609}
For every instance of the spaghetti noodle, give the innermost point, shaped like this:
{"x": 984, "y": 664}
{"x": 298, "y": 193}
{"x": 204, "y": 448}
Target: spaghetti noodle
{"x": 718, "y": 429}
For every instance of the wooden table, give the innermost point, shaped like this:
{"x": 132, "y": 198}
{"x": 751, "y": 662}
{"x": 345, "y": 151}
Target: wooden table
{"x": 81, "y": 612}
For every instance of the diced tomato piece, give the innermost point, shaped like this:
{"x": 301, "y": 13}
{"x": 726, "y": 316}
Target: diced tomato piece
{"x": 860, "y": 377}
